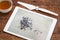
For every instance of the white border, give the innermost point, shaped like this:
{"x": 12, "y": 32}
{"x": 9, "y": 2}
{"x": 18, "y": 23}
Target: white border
{"x": 13, "y": 15}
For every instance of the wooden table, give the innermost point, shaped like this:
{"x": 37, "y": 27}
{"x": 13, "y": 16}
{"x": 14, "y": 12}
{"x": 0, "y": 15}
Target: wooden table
{"x": 53, "y": 5}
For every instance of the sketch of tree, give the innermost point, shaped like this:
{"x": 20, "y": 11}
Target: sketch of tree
{"x": 26, "y": 22}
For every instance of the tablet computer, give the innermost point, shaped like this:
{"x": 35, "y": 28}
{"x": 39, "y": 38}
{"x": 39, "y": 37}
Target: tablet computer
{"x": 30, "y": 25}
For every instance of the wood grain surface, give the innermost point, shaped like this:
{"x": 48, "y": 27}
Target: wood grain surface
{"x": 53, "y": 5}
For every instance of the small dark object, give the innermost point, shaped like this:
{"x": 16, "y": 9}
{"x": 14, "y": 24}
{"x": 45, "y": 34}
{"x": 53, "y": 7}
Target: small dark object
{"x": 34, "y": 1}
